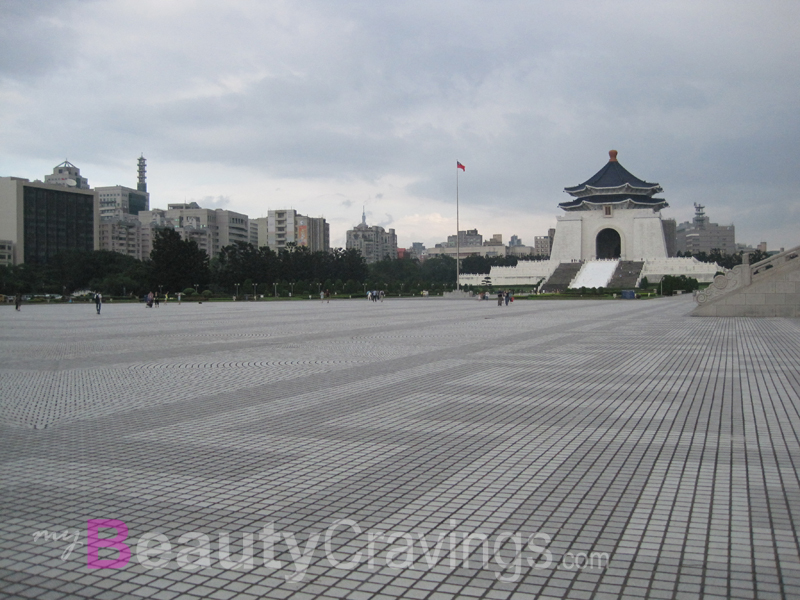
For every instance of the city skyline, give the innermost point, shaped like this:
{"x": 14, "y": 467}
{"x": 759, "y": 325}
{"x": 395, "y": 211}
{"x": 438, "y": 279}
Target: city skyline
{"x": 252, "y": 107}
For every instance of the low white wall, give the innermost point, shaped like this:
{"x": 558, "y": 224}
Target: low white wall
{"x": 655, "y": 269}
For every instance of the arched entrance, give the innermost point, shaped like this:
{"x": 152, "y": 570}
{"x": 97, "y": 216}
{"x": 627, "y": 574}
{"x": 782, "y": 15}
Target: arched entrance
{"x": 608, "y": 244}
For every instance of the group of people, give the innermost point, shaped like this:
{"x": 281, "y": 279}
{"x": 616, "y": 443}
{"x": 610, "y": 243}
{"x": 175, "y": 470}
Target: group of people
{"x": 324, "y": 295}
{"x": 504, "y": 296}
{"x": 152, "y": 299}
{"x": 376, "y": 295}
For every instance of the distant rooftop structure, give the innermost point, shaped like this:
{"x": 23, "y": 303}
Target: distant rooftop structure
{"x": 68, "y": 175}
{"x": 141, "y": 185}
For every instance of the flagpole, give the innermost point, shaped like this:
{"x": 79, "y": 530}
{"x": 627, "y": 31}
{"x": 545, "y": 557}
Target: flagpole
{"x": 458, "y": 241}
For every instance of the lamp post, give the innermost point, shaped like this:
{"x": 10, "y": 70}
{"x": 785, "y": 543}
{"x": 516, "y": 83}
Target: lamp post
{"x": 255, "y": 288}
{"x": 237, "y": 290}
{"x": 401, "y": 290}
{"x": 319, "y": 288}
{"x": 197, "y": 288}
{"x": 291, "y": 286}
{"x": 160, "y": 290}
{"x": 365, "y": 288}
{"x": 275, "y": 287}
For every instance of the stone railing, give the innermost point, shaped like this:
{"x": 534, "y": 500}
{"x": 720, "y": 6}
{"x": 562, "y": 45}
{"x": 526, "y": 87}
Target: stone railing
{"x": 776, "y": 260}
{"x": 744, "y": 274}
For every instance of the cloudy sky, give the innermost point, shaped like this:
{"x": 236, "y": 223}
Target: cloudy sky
{"x": 329, "y": 106}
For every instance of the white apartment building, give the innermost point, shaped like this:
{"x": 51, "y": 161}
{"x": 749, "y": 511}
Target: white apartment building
{"x": 123, "y": 235}
{"x": 285, "y": 226}
{"x": 374, "y": 243}
{"x": 212, "y": 229}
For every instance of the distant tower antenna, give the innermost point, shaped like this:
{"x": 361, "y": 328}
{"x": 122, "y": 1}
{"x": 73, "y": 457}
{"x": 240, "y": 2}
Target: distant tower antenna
{"x": 364, "y": 215}
{"x": 142, "y": 185}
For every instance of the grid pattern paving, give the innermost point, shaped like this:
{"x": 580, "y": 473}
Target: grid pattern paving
{"x": 415, "y": 448}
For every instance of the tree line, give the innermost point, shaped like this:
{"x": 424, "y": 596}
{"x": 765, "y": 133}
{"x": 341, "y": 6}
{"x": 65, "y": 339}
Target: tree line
{"x": 175, "y": 265}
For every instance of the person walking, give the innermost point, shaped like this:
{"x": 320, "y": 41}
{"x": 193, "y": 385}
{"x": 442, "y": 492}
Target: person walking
{"x": 508, "y": 296}
{"x": 98, "y": 301}
{"x": 500, "y": 298}
{"x": 18, "y": 301}
{"x": 328, "y": 295}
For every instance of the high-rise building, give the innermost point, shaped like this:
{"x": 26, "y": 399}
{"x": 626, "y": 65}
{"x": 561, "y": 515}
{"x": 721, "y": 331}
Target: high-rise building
{"x": 700, "y": 235}
{"x": 418, "y": 250}
{"x": 496, "y": 240}
{"x": 470, "y": 237}
{"x": 6, "y": 253}
{"x": 285, "y": 226}
{"x": 120, "y": 228}
{"x": 470, "y": 243}
{"x": 118, "y": 200}
{"x": 212, "y": 229}
{"x": 254, "y": 232}
{"x": 39, "y": 220}
{"x": 123, "y": 235}
{"x": 541, "y": 245}
{"x": 374, "y": 243}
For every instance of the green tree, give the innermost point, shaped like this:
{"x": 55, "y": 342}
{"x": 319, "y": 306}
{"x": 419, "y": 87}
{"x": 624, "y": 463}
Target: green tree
{"x": 439, "y": 269}
{"x": 177, "y": 263}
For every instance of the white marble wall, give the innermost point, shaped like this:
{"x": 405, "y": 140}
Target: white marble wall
{"x": 640, "y": 231}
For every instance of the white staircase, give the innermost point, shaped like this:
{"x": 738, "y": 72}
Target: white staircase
{"x": 595, "y": 274}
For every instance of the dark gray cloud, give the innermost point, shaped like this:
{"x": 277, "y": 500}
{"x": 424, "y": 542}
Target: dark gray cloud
{"x": 530, "y": 96}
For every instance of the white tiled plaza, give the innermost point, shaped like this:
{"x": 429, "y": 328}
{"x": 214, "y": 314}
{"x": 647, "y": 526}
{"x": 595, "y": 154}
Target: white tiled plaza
{"x": 584, "y": 449}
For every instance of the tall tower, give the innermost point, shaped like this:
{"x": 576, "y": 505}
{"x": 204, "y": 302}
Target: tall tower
{"x": 142, "y": 184}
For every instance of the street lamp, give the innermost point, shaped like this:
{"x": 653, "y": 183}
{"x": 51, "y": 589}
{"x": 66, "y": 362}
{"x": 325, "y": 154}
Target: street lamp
{"x": 401, "y": 290}
{"x": 237, "y": 290}
{"x": 196, "y": 288}
{"x": 255, "y": 286}
{"x": 160, "y": 290}
{"x": 291, "y": 286}
{"x": 365, "y": 288}
{"x": 275, "y": 287}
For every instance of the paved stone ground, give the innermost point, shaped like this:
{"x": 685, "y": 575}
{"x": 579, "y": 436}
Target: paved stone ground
{"x": 657, "y": 452}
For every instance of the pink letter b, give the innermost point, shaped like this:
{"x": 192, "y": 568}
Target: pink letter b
{"x": 94, "y": 543}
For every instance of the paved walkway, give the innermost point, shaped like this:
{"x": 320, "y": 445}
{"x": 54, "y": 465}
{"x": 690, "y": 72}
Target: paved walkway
{"x": 579, "y": 449}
